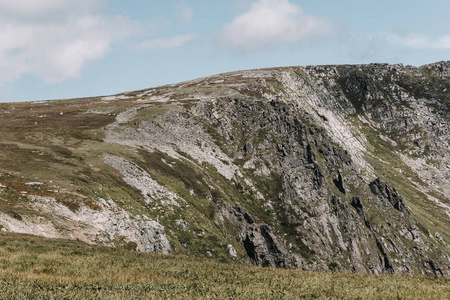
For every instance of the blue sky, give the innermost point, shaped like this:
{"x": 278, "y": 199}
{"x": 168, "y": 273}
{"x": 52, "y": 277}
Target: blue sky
{"x": 54, "y": 49}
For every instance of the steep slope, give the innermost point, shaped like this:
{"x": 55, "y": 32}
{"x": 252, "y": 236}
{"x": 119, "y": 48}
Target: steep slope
{"x": 319, "y": 168}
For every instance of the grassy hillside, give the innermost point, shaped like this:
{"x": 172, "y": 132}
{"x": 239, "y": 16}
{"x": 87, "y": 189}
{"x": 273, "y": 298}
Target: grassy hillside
{"x": 38, "y": 268}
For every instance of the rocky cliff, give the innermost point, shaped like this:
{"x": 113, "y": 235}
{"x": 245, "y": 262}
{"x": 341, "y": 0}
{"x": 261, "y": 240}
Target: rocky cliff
{"x": 335, "y": 168}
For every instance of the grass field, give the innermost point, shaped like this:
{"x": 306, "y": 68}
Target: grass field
{"x": 38, "y": 268}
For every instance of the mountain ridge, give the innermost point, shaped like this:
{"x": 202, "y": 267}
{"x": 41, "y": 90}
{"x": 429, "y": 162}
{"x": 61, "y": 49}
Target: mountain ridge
{"x": 318, "y": 168}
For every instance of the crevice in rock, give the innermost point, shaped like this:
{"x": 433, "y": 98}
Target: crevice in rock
{"x": 339, "y": 182}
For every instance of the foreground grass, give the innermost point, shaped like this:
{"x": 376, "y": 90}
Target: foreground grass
{"x": 38, "y": 268}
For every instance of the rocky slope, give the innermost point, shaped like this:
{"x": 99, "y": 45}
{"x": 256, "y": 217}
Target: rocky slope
{"x": 319, "y": 168}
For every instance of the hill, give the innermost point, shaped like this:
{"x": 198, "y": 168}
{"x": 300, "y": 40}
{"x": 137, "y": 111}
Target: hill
{"x": 325, "y": 168}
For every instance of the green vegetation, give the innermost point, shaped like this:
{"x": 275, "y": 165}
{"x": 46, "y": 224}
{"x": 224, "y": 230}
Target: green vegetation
{"x": 147, "y": 113}
{"x": 39, "y": 268}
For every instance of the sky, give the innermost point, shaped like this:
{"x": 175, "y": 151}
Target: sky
{"x": 56, "y": 49}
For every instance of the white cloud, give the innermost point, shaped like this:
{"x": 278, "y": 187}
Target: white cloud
{"x": 163, "y": 43}
{"x": 185, "y": 12}
{"x": 45, "y": 8}
{"x": 415, "y": 41}
{"x": 36, "y": 40}
{"x": 421, "y": 41}
{"x": 269, "y": 23}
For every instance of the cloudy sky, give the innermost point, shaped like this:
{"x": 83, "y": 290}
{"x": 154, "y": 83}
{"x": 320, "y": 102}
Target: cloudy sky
{"x": 53, "y": 49}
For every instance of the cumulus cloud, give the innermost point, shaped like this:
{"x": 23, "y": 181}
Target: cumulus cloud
{"x": 269, "y": 23}
{"x": 185, "y": 12}
{"x": 36, "y": 39}
{"x": 171, "y": 42}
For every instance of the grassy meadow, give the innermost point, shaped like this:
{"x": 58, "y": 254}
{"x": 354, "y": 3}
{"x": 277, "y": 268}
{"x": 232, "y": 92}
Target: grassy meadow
{"x": 38, "y": 268}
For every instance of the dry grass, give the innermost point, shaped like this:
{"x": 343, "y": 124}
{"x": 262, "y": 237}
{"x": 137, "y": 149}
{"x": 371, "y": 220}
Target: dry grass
{"x": 38, "y": 268}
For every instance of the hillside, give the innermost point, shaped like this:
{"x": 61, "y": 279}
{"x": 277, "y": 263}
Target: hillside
{"x": 324, "y": 168}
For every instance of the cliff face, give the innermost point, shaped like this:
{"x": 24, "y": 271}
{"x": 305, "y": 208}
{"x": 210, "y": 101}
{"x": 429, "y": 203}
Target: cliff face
{"x": 321, "y": 168}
